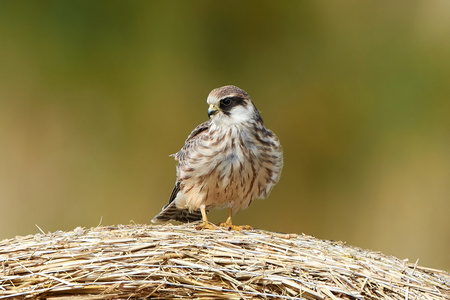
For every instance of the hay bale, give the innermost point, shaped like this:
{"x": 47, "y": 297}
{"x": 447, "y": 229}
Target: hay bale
{"x": 169, "y": 261}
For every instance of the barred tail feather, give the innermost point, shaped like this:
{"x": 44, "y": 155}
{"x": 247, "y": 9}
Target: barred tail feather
{"x": 171, "y": 212}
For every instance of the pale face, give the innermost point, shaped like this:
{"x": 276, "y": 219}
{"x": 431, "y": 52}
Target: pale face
{"x": 230, "y": 106}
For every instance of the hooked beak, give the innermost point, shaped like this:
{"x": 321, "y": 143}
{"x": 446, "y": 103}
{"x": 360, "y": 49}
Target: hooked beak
{"x": 212, "y": 110}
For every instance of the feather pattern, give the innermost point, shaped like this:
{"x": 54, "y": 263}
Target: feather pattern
{"x": 226, "y": 161}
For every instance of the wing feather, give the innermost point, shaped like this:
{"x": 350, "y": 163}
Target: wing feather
{"x": 196, "y": 134}
{"x": 197, "y": 130}
{"x": 170, "y": 211}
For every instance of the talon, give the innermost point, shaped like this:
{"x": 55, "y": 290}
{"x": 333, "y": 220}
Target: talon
{"x": 228, "y": 225}
{"x": 205, "y": 225}
{"x": 225, "y": 226}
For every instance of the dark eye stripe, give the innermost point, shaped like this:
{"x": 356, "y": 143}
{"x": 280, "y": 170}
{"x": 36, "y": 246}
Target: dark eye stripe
{"x": 235, "y": 101}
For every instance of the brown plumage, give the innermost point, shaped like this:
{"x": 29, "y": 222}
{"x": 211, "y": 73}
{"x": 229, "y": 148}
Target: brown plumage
{"x": 226, "y": 161}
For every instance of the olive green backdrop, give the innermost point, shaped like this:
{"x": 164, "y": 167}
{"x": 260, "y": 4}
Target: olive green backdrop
{"x": 94, "y": 96}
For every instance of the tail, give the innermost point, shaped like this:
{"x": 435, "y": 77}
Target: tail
{"x": 171, "y": 212}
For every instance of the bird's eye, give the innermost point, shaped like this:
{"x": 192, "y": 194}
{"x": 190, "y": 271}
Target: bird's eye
{"x": 225, "y": 102}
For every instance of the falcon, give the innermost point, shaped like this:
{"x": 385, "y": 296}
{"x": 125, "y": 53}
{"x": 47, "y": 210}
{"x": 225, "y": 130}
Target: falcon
{"x": 226, "y": 162}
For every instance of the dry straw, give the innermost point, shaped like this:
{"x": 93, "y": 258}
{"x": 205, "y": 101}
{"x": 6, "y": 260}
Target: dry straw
{"x": 171, "y": 262}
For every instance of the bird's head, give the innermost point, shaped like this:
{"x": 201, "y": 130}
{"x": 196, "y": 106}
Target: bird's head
{"x": 230, "y": 105}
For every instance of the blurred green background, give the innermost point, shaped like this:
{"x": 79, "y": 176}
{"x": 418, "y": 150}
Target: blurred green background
{"x": 94, "y": 96}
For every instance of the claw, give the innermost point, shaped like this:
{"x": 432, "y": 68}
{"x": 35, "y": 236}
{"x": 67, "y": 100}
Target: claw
{"x": 205, "y": 225}
{"x": 229, "y": 224}
{"x": 235, "y": 227}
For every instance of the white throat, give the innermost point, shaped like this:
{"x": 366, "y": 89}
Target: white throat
{"x": 238, "y": 115}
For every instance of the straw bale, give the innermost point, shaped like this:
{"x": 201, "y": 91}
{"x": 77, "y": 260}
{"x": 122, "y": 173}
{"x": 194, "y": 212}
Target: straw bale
{"x": 177, "y": 261}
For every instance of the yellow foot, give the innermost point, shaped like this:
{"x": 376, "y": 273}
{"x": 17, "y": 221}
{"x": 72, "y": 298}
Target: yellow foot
{"x": 229, "y": 226}
{"x": 205, "y": 225}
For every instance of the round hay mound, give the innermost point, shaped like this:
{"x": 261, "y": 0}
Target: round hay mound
{"x": 177, "y": 261}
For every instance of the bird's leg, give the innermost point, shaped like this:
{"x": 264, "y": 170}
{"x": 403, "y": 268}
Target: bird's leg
{"x": 229, "y": 224}
{"x": 205, "y": 224}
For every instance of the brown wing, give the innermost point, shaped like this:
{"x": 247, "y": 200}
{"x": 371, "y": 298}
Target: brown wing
{"x": 191, "y": 139}
{"x": 170, "y": 211}
{"x": 197, "y": 130}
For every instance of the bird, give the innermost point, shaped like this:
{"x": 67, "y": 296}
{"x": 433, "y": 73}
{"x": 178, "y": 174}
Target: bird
{"x": 226, "y": 162}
